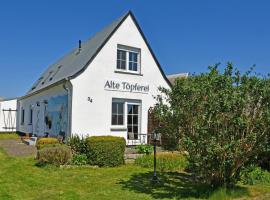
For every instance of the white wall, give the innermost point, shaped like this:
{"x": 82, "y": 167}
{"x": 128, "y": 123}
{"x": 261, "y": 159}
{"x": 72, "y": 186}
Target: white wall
{"x": 95, "y": 118}
{"x": 8, "y": 118}
{"x": 38, "y": 125}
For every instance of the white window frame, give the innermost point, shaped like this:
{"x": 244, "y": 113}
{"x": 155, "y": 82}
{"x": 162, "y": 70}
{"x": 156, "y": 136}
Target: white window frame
{"x": 128, "y": 49}
{"x": 126, "y": 103}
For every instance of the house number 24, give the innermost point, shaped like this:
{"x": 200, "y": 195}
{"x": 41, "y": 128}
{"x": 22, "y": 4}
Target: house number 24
{"x": 90, "y": 99}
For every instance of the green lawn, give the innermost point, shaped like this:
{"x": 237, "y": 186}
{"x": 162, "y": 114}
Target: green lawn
{"x": 21, "y": 179}
{"x": 9, "y": 136}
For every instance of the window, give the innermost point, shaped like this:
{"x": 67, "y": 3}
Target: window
{"x": 58, "y": 69}
{"x": 133, "y": 61}
{"x": 133, "y": 121}
{"x": 128, "y": 59}
{"x": 117, "y": 113}
{"x": 126, "y": 115}
{"x": 121, "y": 59}
{"x": 22, "y": 116}
{"x": 31, "y": 116}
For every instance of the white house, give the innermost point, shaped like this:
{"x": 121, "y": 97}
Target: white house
{"x": 8, "y": 108}
{"x": 104, "y": 87}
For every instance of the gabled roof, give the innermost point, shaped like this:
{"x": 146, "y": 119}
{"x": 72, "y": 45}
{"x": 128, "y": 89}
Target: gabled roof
{"x": 173, "y": 77}
{"x": 77, "y": 60}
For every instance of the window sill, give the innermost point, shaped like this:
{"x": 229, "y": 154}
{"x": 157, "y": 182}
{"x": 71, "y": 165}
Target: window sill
{"x": 118, "y": 129}
{"x": 127, "y": 72}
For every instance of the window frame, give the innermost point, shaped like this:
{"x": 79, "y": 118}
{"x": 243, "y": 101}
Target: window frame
{"x": 22, "y": 116}
{"x": 117, "y": 114}
{"x": 129, "y": 50}
{"x": 124, "y": 127}
{"x": 31, "y": 115}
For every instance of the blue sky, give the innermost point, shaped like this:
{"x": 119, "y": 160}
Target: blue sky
{"x": 186, "y": 35}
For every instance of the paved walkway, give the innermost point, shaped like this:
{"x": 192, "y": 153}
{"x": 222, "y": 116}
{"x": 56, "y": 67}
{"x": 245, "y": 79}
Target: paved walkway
{"x": 15, "y": 147}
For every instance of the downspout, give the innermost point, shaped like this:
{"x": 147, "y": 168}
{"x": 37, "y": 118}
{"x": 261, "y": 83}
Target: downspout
{"x": 69, "y": 108}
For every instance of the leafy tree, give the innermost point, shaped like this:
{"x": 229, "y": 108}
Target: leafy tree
{"x": 220, "y": 118}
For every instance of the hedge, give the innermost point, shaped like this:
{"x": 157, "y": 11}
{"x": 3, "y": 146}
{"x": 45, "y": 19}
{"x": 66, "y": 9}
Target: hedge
{"x": 58, "y": 155}
{"x": 47, "y": 142}
{"x": 106, "y": 151}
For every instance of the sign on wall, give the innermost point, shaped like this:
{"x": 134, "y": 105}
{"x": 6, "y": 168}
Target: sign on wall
{"x": 125, "y": 86}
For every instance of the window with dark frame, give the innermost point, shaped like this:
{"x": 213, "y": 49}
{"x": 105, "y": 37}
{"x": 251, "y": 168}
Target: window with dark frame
{"x": 117, "y": 113}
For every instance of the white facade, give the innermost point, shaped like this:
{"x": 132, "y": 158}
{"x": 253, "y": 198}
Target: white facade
{"x": 8, "y": 111}
{"x": 89, "y": 96}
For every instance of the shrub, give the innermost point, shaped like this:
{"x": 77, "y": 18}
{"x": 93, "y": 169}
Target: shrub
{"x": 106, "y": 150}
{"x": 254, "y": 175}
{"x": 78, "y": 144}
{"x": 46, "y": 142}
{"x": 57, "y": 156}
{"x": 144, "y": 149}
{"x": 221, "y": 118}
{"x": 79, "y": 159}
{"x": 165, "y": 161}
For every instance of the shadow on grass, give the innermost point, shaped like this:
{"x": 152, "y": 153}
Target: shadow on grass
{"x": 177, "y": 185}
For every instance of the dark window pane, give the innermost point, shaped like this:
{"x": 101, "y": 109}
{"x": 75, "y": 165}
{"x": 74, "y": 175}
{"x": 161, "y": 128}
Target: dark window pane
{"x": 118, "y": 64}
{"x": 123, "y": 55}
{"x": 136, "y": 137}
{"x": 130, "y": 109}
{"x": 135, "y": 109}
{"x": 135, "y": 67}
{"x": 129, "y": 129}
{"x": 135, "y": 129}
{"x": 129, "y": 119}
{"x": 135, "y": 119}
{"x": 135, "y": 57}
{"x": 114, "y": 108}
{"x": 120, "y": 120}
{"x": 123, "y": 64}
{"x": 130, "y": 66}
{"x": 120, "y": 108}
{"x": 114, "y": 119}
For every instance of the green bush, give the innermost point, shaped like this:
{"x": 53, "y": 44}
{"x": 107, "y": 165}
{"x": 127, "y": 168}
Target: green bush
{"x": 254, "y": 175}
{"x": 106, "y": 150}
{"x": 221, "y": 118}
{"x": 46, "y": 142}
{"x": 79, "y": 159}
{"x": 57, "y": 156}
{"x": 165, "y": 161}
{"x": 78, "y": 144}
{"x": 144, "y": 149}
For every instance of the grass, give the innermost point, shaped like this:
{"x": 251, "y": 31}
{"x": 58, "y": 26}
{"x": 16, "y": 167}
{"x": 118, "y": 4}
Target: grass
{"x": 166, "y": 161}
{"x": 9, "y": 136}
{"x": 21, "y": 179}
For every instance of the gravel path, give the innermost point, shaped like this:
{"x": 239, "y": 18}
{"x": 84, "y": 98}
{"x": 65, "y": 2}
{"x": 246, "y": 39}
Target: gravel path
{"x": 15, "y": 147}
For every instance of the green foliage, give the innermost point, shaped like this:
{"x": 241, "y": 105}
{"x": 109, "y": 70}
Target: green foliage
{"x": 165, "y": 161}
{"x": 79, "y": 159}
{"x": 221, "y": 118}
{"x": 59, "y": 155}
{"x": 46, "y": 142}
{"x": 106, "y": 150}
{"x": 78, "y": 144}
{"x": 144, "y": 149}
{"x": 255, "y": 175}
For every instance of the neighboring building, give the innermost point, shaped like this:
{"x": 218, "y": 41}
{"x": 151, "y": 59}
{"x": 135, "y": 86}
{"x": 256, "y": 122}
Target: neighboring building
{"x": 173, "y": 77}
{"x": 104, "y": 87}
{"x": 8, "y": 111}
